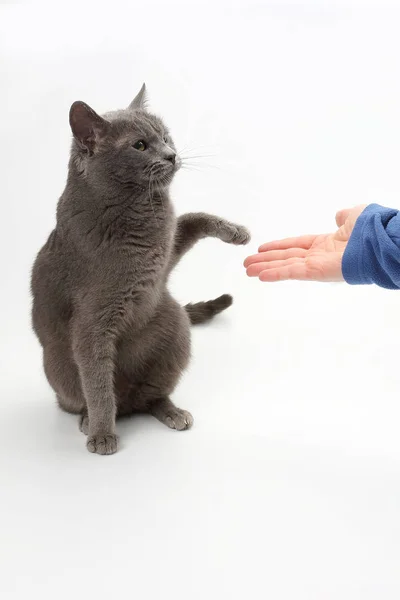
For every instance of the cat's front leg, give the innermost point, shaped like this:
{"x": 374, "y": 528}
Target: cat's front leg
{"x": 94, "y": 352}
{"x": 193, "y": 227}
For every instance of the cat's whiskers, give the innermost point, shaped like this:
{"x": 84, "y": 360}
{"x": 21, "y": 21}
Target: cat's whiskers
{"x": 162, "y": 204}
{"x": 198, "y": 156}
{"x": 151, "y": 193}
{"x": 201, "y": 147}
{"x": 190, "y": 160}
{"x": 187, "y": 164}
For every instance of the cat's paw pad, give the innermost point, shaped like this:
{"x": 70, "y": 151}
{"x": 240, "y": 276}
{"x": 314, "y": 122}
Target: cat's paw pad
{"x": 234, "y": 234}
{"x": 102, "y": 444}
{"x": 84, "y": 424}
{"x": 179, "y": 419}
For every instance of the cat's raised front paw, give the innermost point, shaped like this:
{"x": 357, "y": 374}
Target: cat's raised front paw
{"x": 233, "y": 234}
{"x": 102, "y": 444}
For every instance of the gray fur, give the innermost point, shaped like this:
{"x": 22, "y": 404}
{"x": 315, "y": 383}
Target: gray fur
{"x": 114, "y": 340}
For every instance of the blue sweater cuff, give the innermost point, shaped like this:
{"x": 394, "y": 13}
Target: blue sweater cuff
{"x": 372, "y": 254}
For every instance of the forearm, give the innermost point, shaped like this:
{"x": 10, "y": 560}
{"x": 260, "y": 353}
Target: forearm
{"x": 193, "y": 227}
{"x": 95, "y": 357}
{"x": 372, "y": 254}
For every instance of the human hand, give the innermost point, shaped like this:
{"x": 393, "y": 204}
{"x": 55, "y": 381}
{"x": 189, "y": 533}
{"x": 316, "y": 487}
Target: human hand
{"x": 310, "y": 257}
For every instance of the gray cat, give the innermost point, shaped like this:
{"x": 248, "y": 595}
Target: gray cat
{"x": 114, "y": 340}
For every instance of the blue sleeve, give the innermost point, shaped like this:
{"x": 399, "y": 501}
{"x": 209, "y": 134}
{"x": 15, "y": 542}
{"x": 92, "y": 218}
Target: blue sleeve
{"x": 372, "y": 254}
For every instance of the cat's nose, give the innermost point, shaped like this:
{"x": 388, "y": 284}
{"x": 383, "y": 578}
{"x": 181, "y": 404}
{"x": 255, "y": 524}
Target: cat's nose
{"x": 171, "y": 156}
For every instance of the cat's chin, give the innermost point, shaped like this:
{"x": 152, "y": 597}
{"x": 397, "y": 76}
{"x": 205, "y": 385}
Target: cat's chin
{"x": 164, "y": 180}
{"x": 162, "y": 185}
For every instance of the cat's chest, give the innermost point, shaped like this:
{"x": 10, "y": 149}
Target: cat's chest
{"x": 140, "y": 284}
{"x": 144, "y": 262}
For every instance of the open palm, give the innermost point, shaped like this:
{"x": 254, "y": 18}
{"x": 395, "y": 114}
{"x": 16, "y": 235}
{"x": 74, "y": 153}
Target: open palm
{"x": 309, "y": 257}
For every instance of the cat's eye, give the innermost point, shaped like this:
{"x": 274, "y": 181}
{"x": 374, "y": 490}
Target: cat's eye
{"x": 166, "y": 139}
{"x": 140, "y": 145}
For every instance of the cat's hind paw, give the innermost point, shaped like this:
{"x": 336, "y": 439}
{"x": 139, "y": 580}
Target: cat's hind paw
{"x": 178, "y": 419}
{"x": 175, "y": 418}
{"x": 84, "y": 424}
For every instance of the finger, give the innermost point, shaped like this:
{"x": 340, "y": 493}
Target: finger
{"x": 341, "y": 216}
{"x": 353, "y": 213}
{"x": 255, "y": 269}
{"x": 304, "y": 241}
{"x": 275, "y": 255}
{"x": 297, "y": 271}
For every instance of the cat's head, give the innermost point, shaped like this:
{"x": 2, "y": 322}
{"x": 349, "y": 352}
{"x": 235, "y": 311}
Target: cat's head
{"x": 129, "y": 146}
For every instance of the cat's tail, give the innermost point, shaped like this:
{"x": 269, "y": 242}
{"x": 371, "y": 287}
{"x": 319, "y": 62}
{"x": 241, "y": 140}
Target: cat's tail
{"x": 204, "y": 311}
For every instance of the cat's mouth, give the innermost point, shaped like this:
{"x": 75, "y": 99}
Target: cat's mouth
{"x": 162, "y": 173}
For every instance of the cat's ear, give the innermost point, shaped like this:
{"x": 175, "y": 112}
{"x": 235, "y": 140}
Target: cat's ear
{"x": 140, "y": 100}
{"x": 87, "y": 126}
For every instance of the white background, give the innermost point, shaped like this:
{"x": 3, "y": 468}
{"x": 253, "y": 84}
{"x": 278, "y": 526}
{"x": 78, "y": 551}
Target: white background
{"x": 288, "y": 486}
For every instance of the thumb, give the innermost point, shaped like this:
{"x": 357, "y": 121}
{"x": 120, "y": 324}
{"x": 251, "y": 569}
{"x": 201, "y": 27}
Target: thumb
{"x": 341, "y": 216}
